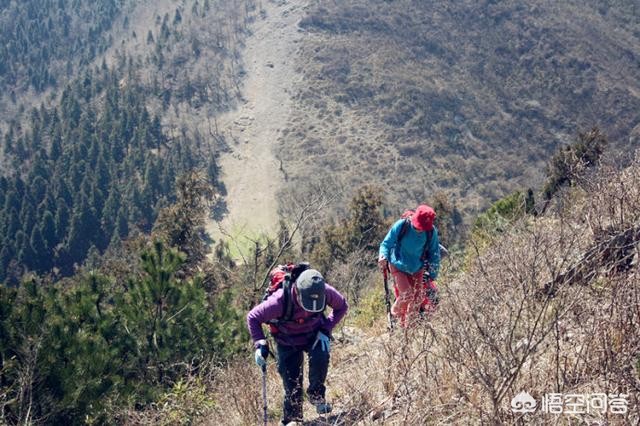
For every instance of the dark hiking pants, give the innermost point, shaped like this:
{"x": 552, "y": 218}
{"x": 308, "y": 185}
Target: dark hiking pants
{"x": 290, "y": 367}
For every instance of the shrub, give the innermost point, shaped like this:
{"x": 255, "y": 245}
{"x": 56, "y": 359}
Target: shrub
{"x": 570, "y": 161}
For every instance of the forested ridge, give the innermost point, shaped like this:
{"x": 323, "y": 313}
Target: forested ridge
{"x": 104, "y": 189}
{"x": 88, "y": 174}
{"x": 49, "y": 39}
{"x": 95, "y": 164}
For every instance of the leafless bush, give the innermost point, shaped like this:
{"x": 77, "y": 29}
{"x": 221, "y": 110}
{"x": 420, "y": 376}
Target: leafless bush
{"x": 352, "y": 276}
{"x": 500, "y": 330}
{"x": 613, "y": 200}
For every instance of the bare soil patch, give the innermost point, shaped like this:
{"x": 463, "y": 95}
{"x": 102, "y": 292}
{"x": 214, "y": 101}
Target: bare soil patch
{"x": 251, "y": 171}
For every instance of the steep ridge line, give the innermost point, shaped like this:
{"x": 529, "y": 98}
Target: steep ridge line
{"x": 251, "y": 172}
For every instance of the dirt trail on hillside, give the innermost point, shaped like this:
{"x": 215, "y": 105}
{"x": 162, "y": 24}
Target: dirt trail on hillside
{"x": 251, "y": 172}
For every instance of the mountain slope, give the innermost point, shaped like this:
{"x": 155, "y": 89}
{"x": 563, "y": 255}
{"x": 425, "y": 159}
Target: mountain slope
{"x": 250, "y": 171}
{"x": 548, "y": 306}
{"x": 141, "y": 106}
{"x": 466, "y": 97}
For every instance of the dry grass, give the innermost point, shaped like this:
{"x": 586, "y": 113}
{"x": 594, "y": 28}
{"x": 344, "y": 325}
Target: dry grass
{"x": 468, "y": 96}
{"x": 499, "y": 330}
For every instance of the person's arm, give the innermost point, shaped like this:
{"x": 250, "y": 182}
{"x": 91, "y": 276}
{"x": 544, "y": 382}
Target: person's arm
{"x": 390, "y": 240}
{"x": 339, "y": 308}
{"x": 433, "y": 255}
{"x": 266, "y": 311}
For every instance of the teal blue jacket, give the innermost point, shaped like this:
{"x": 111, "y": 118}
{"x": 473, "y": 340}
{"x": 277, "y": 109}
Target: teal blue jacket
{"x": 406, "y": 256}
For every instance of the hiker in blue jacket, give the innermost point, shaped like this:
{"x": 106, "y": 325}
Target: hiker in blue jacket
{"x": 410, "y": 242}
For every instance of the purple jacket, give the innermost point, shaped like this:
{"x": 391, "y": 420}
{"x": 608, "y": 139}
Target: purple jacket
{"x": 293, "y": 333}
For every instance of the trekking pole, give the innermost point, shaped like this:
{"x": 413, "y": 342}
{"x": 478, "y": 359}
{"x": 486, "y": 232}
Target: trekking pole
{"x": 264, "y": 393}
{"x": 386, "y": 297}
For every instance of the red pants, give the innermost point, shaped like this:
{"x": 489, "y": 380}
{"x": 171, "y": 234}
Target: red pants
{"x": 409, "y": 295}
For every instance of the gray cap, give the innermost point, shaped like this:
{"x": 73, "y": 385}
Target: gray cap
{"x": 310, "y": 289}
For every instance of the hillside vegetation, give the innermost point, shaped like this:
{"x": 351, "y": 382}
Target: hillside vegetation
{"x": 543, "y": 304}
{"x": 48, "y": 41}
{"x": 467, "y": 97}
{"x": 89, "y": 176}
{"x": 117, "y": 307}
{"x": 99, "y": 157}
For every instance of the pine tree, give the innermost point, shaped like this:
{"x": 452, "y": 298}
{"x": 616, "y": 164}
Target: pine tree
{"x": 122, "y": 224}
{"x": 164, "y": 28}
{"x": 109, "y": 213}
{"x": 96, "y": 199}
{"x": 23, "y": 249}
{"x": 47, "y": 204}
{"x": 152, "y": 176}
{"x": 20, "y": 188}
{"x": 102, "y": 174}
{"x": 134, "y": 202}
{"x": 62, "y": 191}
{"x": 56, "y": 145}
{"x": 6, "y": 254}
{"x": 12, "y": 201}
{"x": 38, "y": 189}
{"x": 48, "y": 229}
{"x": 167, "y": 316}
{"x": 13, "y": 224}
{"x": 77, "y": 174}
{"x": 146, "y": 206}
{"x": 94, "y": 151}
{"x": 84, "y": 359}
{"x": 570, "y": 161}
{"x": 20, "y": 150}
{"x": 41, "y": 260}
{"x": 4, "y": 188}
{"x": 82, "y": 230}
{"x": 39, "y": 166}
{"x": 156, "y": 132}
{"x": 62, "y": 218}
{"x": 9, "y": 144}
{"x": 27, "y": 217}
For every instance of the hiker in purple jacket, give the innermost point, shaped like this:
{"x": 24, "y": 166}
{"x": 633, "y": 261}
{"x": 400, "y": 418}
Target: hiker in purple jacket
{"x": 308, "y": 330}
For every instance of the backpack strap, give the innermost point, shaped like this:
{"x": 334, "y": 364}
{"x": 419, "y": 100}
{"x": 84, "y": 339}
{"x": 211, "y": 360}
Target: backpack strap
{"x": 287, "y": 309}
{"x": 291, "y": 277}
{"x": 403, "y": 229}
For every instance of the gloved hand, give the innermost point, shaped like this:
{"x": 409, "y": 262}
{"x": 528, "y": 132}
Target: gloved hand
{"x": 325, "y": 342}
{"x": 262, "y": 352}
{"x": 383, "y": 264}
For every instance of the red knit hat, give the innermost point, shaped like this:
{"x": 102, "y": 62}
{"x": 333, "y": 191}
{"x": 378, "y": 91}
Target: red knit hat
{"x": 423, "y": 218}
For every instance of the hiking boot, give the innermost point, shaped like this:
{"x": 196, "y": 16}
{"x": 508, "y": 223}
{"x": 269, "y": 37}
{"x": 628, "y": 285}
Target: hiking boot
{"x": 322, "y": 406}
